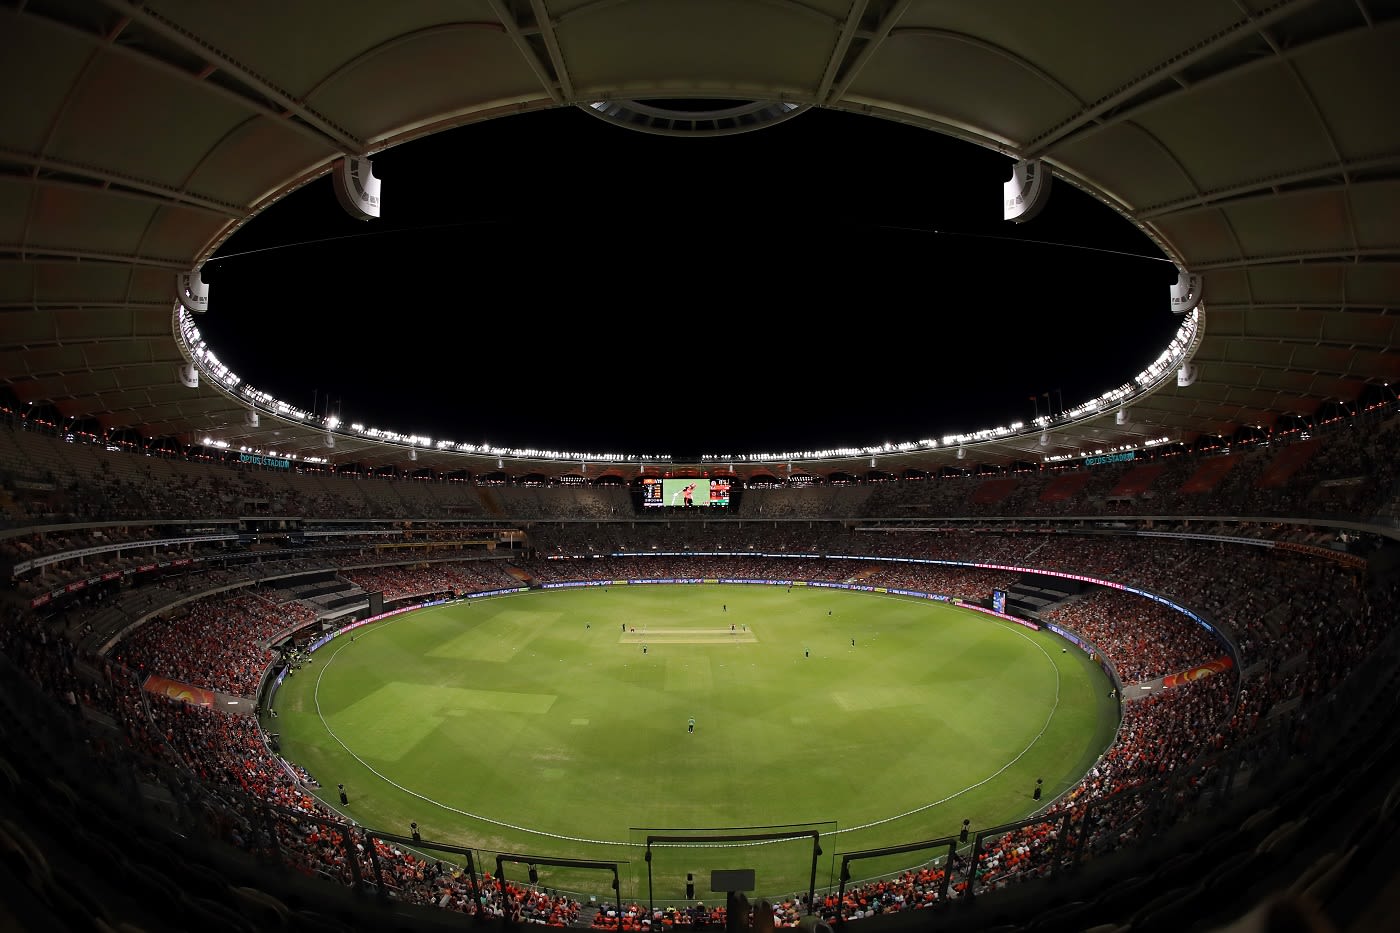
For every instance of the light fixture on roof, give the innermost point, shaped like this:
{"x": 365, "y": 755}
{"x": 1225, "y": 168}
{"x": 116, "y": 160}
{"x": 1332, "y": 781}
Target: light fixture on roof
{"x": 1027, "y": 191}
{"x": 357, "y": 188}
{"x": 192, "y": 291}
{"x": 693, "y": 117}
{"x": 1186, "y": 293}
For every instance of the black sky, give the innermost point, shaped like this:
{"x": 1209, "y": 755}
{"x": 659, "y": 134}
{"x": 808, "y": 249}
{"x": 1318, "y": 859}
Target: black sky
{"x": 548, "y": 280}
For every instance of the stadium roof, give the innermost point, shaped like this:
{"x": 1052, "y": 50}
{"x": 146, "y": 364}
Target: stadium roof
{"x": 1254, "y": 142}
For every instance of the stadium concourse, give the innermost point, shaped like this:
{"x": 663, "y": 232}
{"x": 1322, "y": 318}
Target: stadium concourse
{"x": 171, "y": 530}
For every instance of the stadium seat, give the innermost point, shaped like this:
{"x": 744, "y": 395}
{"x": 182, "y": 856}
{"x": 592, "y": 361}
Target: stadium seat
{"x": 1390, "y": 807}
{"x": 1321, "y": 884}
{"x": 24, "y": 858}
{"x": 1282, "y": 836}
{"x": 1171, "y": 872}
{"x": 1313, "y": 871}
{"x": 211, "y": 916}
{"x": 1169, "y": 910}
{"x": 72, "y": 899}
{"x": 149, "y": 882}
{"x": 61, "y": 792}
{"x": 265, "y": 910}
{"x": 1235, "y": 876}
{"x": 1121, "y": 898}
{"x": 1257, "y": 820}
{"x": 10, "y": 781}
{"x": 1068, "y": 916}
{"x": 1322, "y": 806}
{"x": 313, "y": 922}
{"x": 202, "y": 880}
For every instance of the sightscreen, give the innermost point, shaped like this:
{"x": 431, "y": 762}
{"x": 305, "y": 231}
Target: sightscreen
{"x": 781, "y": 858}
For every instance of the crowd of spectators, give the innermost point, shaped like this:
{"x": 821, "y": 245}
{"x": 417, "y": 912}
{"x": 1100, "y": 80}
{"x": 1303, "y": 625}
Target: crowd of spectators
{"x": 222, "y": 642}
{"x": 633, "y": 917}
{"x": 1142, "y": 639}
{"x": 1346, "y": 467}
{"x": 1298, "y": 622}
{"x": 967, "y": 583}
{"x": 458, "y": 579}
{"x": 217, "y": 643}
{"x": 1253, "y": 605}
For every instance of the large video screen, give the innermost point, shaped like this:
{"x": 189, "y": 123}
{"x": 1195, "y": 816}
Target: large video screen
{"x": 685, "y": 493}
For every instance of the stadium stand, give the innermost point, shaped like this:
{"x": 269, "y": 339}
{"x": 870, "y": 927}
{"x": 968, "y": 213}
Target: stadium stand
{"x": 994, "y": 491}
{"x": 1286, "y": 667}
{"x": 1137, "y": 481}
{"x": 1287, "y": 462}
{"x": 147, "y": 528}
{"x": 1207, "y": 475}
{"x": 1064, "y": 488}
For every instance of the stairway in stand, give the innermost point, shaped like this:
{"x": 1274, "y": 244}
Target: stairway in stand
{"x": 520, "y": 575}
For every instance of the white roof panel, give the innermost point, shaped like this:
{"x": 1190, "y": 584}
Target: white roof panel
{"x": 1257, "y": 145}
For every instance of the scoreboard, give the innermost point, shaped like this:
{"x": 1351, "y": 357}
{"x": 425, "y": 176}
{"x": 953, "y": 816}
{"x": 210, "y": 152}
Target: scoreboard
{"x": 685, "y": 493}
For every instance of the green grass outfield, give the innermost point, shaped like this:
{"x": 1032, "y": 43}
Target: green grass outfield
{"x": 535, "y": 724}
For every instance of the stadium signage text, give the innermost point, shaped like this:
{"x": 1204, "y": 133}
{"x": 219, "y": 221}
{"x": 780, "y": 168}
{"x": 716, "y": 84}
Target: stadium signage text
{"x": 1111, "y": 458}
{"x": 280, "y": 462}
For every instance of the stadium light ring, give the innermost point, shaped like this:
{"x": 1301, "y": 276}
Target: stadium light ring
{"x": 743, "y": 117}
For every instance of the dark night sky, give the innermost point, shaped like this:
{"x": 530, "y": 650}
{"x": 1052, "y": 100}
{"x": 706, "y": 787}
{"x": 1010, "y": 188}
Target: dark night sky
{"x": 548, "y": 280}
